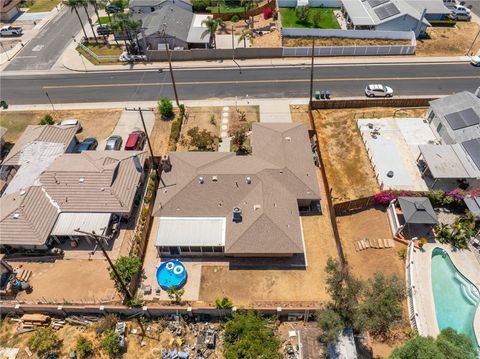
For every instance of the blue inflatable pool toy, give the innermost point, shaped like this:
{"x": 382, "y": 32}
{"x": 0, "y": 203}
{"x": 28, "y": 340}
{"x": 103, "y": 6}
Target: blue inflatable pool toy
{"x": 171, "y": 273}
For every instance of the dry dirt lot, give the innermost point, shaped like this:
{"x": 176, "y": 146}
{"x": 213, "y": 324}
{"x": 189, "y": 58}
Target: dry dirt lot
{"x": 160, "y": 135}
{"x": 69, "y": 281}
{"x": 373, "y": 224}
{"x": 95, "y": 123}
{"x": 200, "y": 117}
{"x": 348, "y": 168}
{"x": 337, "y": 41}
{"x": 446, "y": 41}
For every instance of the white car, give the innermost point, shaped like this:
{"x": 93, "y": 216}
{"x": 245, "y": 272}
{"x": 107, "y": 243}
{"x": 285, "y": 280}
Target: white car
{"x": 475, "y": 60}
{"x": 11, "y": 31}
{"x": 71, "y": 122}
{"x": 460, "y": 12}
{"x": 377, "y": 90}
{"x": 125, "y": 57}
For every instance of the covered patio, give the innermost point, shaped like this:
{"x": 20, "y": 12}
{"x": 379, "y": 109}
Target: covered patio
{"x": 412, "y": 217}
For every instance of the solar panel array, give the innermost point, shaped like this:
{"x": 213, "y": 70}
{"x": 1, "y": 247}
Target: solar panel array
{"x": 375, "y": 3}
{"x": 462, "y": 119}
{"x": 386, "y": 11}
{"x": 473, "y": 149}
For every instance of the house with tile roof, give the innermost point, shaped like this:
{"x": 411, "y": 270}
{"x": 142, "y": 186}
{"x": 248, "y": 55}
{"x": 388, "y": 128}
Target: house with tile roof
{"x": 221, "y": 203}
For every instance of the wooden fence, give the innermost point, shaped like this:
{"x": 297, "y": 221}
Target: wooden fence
{"x": 345, "y": 208}
{"x": 371, "y": 102}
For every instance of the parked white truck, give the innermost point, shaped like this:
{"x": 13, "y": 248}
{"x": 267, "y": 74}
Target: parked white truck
{"x": 11, "y": 31}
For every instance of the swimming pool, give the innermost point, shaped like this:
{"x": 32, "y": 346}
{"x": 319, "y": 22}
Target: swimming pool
{"x": 171, "y": 273}
{"x": 456, "y": 298}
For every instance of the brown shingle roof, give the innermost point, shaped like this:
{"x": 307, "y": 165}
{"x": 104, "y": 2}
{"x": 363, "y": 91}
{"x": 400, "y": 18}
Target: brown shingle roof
{"x": 281, "y": 170}
{"x": 27, "y": 217}
{"x": 34, "y": 133}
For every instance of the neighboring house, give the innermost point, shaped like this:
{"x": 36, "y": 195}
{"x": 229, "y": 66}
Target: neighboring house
{"x": 87, "y": 190}
{"x": 455, "y": 118}
{"x": 435, "y": 9}
{"x": 148, "y": 6}
{"x": 3, "y": 131}
{"x": 385, "y": 15}
{"x": 344, "y": 347}
{"x": 180, "y": 27}
{"x": 246, "y": 206}
{"x": 9, "y": 9}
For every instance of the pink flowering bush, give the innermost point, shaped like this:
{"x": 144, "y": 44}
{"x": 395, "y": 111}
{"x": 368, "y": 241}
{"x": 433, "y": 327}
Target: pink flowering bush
{"x": 383, "y": 197}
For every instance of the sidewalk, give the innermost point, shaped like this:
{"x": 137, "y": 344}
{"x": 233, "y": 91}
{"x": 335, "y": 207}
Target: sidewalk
{"x": 5, "y": 58}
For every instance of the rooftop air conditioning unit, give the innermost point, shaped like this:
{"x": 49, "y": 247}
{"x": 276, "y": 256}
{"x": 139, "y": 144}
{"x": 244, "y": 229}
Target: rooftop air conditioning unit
{"x": 237, "y": 215}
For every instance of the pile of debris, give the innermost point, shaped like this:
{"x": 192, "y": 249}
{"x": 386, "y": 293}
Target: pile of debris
{"x": 29, "y": 322}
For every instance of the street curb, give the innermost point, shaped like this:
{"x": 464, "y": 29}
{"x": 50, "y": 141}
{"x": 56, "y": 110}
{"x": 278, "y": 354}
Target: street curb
{"x": 306, "y": 63}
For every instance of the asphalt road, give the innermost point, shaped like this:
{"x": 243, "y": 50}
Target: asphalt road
{"x": 345, "y": 80}
{"x": 43, "y": 51}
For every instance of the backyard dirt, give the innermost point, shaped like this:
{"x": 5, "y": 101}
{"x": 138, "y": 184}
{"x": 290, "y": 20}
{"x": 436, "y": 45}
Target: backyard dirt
{"x": 52, "y": 282}
{"x": 208, "y": 118}
{"x": 450, "y": 41}
{"x": 347, "y": 165}
{"x": 95, "y": 123}
{"x": 337, "y": 41}
{"x": 269, "y": 40}
{"x": 160, "y": 135}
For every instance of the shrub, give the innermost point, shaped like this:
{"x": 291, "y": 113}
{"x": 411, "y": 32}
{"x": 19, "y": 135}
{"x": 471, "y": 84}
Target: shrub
{"x": 302, "y": 13}
{"x": 47, "y": 120}
{"x": 165, "y": 107}
{"x": 126, "y": 267}
{"x": 317, "y": 18}
{"x": 84, "y": 347}
{"x": 213, "y": 120}
{"x": 110, "y": 343}
{"x": 267, "y": 13}
{"x": 402, "y": 253}
{"x": 203, "y": 140}
{"x": 175, "y": 130}
{"x": 43, "y": 340}
{"x": 108, "y": 322}
{"x": 175, "y": 295}
{"x": 331, "y": 324}
{"x": 383, "y": 198}
{"x": 200, "y": 5}
{"x": 235, "y": 18}
{"x": 223, "y": 303}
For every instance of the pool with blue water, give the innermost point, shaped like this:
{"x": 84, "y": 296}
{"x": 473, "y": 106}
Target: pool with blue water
{"x": 171, "y": 273}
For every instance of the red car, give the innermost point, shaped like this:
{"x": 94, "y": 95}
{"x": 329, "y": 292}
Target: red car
{"x": 135, "y": 141}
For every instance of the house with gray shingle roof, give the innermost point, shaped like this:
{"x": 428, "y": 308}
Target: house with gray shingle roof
{"x": 239, "y": 205}
{"x": 148, "y": 6}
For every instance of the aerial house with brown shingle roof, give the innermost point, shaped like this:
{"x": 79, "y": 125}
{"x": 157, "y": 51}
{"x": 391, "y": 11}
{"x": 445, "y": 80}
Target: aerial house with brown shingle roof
{"x": 76, "y": 191}
{"x": 233, "y": 205}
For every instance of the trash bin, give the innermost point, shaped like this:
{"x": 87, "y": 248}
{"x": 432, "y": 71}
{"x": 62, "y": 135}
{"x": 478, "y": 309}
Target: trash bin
{"x": 3, "y": 104}
{"x": 317, "y": 95}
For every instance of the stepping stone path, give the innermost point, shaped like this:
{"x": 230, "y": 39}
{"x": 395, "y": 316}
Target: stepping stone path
{"x": 373, "y": 243}
{"x": 225, "y": 144}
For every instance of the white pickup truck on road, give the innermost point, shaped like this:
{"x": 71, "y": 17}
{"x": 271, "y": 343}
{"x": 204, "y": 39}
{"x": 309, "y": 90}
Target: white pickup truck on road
{"x": 11, "y": 31}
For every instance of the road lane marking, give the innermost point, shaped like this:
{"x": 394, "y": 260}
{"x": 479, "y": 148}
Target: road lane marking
{"x": 425, "y": 78}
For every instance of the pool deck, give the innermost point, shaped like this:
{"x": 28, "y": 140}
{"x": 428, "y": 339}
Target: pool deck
{"x": 464, "y": 260}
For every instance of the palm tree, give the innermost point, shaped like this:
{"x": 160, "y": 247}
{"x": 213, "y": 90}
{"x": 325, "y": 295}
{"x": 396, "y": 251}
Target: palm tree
{"x": 85, "y": 4}
{"x": 73, "y": 5}
{"x": 123, "y": 22}
{"x": 244, "y": 36}
{"x": 95, "y": 6}
{"x": 211, "y": 25}
{"x": 249, "y": 4}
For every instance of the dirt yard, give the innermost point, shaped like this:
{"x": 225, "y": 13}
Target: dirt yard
{"x": 372, "y": 224}
{"x": 348, "y": 168}
{"x": 208, "y": 118}
{"x": 272, "y": 39}
{"x": 446, "y": 41}
{"x": 95, "y": 123}
{"x": 337, "y": 41}
{"x": 160, "y": 135}
{"x": 69, "y": 281}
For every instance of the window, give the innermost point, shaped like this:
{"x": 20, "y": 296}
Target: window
{"x": 218, "y": 249}
{"x": 185, "y": 249}
{"x": 431, "y": 116}
{"x": 207, "y": 249}
{"x": 439, "y": 127}
{"x": 164, "y": 249}
{"x": 196, "y": 249}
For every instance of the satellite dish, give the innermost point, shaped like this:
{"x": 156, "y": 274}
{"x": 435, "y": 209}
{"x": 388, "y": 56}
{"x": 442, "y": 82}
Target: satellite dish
{"x": 390, "y": 174}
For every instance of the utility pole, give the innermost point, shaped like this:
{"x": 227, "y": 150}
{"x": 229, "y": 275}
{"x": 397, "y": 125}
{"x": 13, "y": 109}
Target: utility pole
{"x": 473, "y": 43}
{"x": 170, "y": 65}
{"x": 311, "y": 72}
{"x": 152, "y": 157}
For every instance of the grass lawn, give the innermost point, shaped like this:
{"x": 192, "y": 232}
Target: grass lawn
{"x": 327, "y": 18}
{"x": 225, "y": 8}
{"x": 101, "y": 50}
{"x": 104, "y": 20}
{"x": 43, "y": 5}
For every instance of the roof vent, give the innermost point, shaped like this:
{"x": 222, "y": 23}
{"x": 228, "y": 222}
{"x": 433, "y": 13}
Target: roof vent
{"x": 281, "y": 171}
{"x": 81, "y": 180}
{"x": 248, "y": 180}
{"x": 237, "y": 215}
{"x": 200, "y": 180}
{"x": 289, "y": 139}
{"x": 16, "y": 216}
{"x": 390, "y": 174}
{"x": 102, "y": 189}
{"x": 22, "y": 192}
{"x": 256, "y": 207}
{"x": 214, "y": 179}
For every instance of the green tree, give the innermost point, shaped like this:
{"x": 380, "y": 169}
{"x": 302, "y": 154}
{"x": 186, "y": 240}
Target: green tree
{"x": 84, "y": 347}
{"x": 239, "y": 139}
{"x": 248, "y": 336}
{"x": 223, "y": 303}
{"x": 47, "y": 120}
{"x": 211, "y": 25}
{"x": 200, "y": 5}
{"x": 125, "y": 24}
{"x": 111, "y": 343}
{"x": 165, "y": 107}
{"x": 381, "y": 310}
{"x": 84, "y": 4}
{"x": 344, "y": 291}
{"x": 175, "y": 295}
{"x": 126, "y": 267}
{"x": 74, "y": 5}
{"x": 317, "y": 18}
{"x": 302, "y": 13}
{"x": 43, "y": 340}
{"x": 244, "y": 36}
{"x": 331, "y": 324}
{"x": 203, "y": 140}
{"x": 448, "y": 345}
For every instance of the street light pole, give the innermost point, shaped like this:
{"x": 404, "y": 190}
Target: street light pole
{"x": 50, "y": 100}
{"x": 170, "y": 65}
